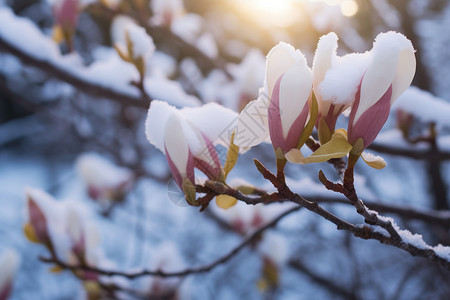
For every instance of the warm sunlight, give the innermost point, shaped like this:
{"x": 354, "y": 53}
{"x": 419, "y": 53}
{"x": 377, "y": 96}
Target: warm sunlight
{"x": 283, "y": 13}
{"x": 279, "y": 13}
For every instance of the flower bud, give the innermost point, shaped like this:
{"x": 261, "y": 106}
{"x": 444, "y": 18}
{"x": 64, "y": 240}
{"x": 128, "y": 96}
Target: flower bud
{"x": 389, "y": 74}
{"x": 179, "y": 157}
{"x": 9, "y": 262}
{"x": 289, "y": 107}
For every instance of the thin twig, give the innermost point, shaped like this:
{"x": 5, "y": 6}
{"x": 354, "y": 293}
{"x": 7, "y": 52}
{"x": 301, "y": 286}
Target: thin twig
{"x": 189, "y": 271}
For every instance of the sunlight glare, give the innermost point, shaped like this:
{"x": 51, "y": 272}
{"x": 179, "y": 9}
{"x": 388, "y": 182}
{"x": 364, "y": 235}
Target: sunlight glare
{"x": 349, "y": 8}
{"x": 270, "y": 12}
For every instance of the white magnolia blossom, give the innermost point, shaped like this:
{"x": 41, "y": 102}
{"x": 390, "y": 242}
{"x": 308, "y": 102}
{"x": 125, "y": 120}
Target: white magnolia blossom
{"x": 390, "y": 72}
{"x": 123, "y": 30}
{"x": 9, "y": 262}
{"x": 104, "y": 179}
{"x": 165, "y": 11}
{"x": 213, "y": 120}
{"x": 289, "y": 97}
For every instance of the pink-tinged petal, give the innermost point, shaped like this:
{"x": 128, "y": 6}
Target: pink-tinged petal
{"x": 277, "y": 136}
{"x": 371, "y": 121}
{"x": 5, "y": 291}
{"x": 275, "y": 126}
{"x": 180, "y": 175}
{"x": 9, "y": 262}
{"x": 333, "y": 114}
{"x": 38, "y": 221}
{"x": 210, "y": 165}
{"x": 67, "y": 13}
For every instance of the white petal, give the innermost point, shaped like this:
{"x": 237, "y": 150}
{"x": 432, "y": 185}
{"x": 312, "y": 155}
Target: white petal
{"x": 279, "y": 59}
{"x": 176, "y": 143}
{"x": 157, "y": 117}
{"x": 213, "y": 120}
{"x": 295, "y": 87}
{"x": 323, "y": 59}
{"x": 405, "y": 73}
{"x": 252, "y": 126}
{"x": 393, "y": 57}
{"x": 9, "y": 262}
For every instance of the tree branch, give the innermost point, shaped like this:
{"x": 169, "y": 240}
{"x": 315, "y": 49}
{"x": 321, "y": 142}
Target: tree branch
{"x": 80, "y": 83}
{"x": 189, "y": 271}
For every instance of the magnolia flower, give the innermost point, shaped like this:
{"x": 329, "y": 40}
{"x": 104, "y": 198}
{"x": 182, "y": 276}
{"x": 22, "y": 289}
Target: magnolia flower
{"x": 289, "y": 82}
{"x": 132, "y": 42}
{"x": 105, "y": 181}
{"x": 335, "y": 82}
{"x": 66, "y": 14}
{"x": 283, "y": 115}
{"x": 188, "y": 140}
{"x": 374, "y": 80}
{"x": 179, "y": 157}
{"x": 165, "y": 11}
{"x": 389, "y": 74}
{"x": 9, "y": 262}
{"x": 167, "y": 258}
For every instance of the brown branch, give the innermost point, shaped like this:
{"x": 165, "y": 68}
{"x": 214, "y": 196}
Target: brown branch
{"x": 364, "y": 232}
{"x": 81, "y": 84}
{"x": 189, "y": 271}
{"x": 325, "y": 282}
{"x": 410, "y": 153}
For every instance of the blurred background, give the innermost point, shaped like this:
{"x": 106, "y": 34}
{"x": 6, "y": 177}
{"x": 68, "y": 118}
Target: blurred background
{"x": 84, "y": 99}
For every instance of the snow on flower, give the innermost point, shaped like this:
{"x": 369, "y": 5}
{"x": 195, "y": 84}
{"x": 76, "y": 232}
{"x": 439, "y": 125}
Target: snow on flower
{"x": 9, "y": 261}
{"x": 187, "y": 137}
{"x": 335, "y": 82}
{"x": 64, "y": 228}
{"x": 132, "y": 42}
{"x": 105, "y": 181}
{"x": 166, "y": 258}
{"x": 165, "y": 11}
{"x": 284, "y": 113}
{"x": 390, "y": 72}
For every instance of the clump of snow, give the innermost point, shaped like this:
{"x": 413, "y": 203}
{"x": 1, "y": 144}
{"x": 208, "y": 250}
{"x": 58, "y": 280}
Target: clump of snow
{"x": 166, "y": 258}
{"x": 125, "y": 30}
{"x": 143, "y": 45}
{"x": 170, "y": 91}
{"x": 342, "y": 80}
{"x": 424, "y": 106}
{"x": 275, "y": 247}
{"x": 105, "y": 181}
{"x": 98, "y": 171}
{"x": 189, "y": 27}
{"x": 165, "y": 11}
{"x": 23, "y": 33}
{"x": 207, "y": 45}
{"x": 211, "y": 119}
{"x": 442, "y": 251}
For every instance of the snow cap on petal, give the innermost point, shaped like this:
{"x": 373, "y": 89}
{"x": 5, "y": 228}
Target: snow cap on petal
{"x": 393, "y": 63}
